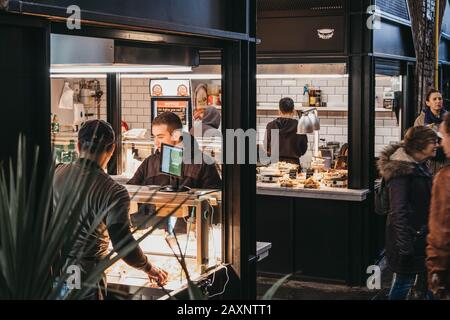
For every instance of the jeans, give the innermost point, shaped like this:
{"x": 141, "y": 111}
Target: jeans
{"x": 403, "y": 283}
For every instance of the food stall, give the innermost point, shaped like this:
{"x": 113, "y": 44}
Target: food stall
{"x": 119, "y": 48}
{"x": 318, "y": 215}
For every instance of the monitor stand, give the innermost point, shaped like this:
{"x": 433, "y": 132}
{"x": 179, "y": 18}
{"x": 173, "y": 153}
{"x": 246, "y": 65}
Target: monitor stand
{"x": 175, "y": 188}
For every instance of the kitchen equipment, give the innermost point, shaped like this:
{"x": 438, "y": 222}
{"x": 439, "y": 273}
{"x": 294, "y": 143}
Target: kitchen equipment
{"x": 305, "y": 125}
{"x": 78, "y": 114}
{"x": 314, "y": 120}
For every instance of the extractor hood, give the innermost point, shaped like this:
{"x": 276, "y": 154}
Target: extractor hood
{"x": 75, "y": 54}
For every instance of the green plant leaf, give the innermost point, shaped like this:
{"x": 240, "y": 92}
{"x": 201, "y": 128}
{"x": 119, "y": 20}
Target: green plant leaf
{"x": 273, "y": 289}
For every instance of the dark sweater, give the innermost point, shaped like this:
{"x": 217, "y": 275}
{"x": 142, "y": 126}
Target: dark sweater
{"x": 291, "y": 145}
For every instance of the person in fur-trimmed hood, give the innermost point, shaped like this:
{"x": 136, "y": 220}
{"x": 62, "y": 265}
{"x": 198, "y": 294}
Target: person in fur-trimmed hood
{"x": 408, "y": 182}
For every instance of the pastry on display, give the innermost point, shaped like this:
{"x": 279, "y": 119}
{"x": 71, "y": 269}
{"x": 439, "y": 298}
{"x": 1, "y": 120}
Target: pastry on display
{"x": 310, "y": 183}
{"x": 287, "y": 183}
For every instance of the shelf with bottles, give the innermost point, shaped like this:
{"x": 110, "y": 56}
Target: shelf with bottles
{"x": 65, "y": 150}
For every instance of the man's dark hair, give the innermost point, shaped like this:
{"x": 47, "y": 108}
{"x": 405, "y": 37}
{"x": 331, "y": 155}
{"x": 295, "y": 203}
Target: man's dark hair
{"x": 417, "y": 139}
{"x": 170, "y": 119}
{"x": 286, "y": 105}
{"x": 96, "y": 136}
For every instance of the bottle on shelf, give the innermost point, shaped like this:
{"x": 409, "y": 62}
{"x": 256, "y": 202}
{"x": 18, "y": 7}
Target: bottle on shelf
{"x": 306, "y": 96}
{"x": 72, "y": 152}
{"x": 312, "y": 97}
{"x": 318, "y": 93}
{"x": 55, "y": 124}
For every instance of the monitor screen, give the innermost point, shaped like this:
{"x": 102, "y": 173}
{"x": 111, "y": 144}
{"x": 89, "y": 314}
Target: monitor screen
{"x": 171, "y": 160}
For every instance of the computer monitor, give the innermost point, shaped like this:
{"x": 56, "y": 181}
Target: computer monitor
{"x": 171, "y": 160}
{"x": 172, "y": 165}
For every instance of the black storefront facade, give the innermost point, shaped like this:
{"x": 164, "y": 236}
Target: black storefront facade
{"x": 325, "y": 238}
{"x": 224, "y": 27}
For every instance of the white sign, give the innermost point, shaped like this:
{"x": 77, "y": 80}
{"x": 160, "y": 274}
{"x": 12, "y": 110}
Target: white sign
{"x": 170, "y": 88}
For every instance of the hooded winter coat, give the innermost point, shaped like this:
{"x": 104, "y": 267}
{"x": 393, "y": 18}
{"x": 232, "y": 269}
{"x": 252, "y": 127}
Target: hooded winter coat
{"x": 210, "y": 122}
{"x": 409, "y": 186}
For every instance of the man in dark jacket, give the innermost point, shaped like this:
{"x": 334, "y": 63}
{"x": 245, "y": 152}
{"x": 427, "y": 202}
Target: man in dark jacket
{"x": 438, "y": 249}
{"x": 210, "y": 122}
{"x": 166, "y": 128}
{"x": 409, "y": 185}
{"x": 292, "y": 146}
{"x": 99, "y": 195}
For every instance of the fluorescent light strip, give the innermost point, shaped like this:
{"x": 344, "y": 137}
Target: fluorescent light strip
{"x": 300, "y": 76}
{"x": 173, "y": 76}
{"x": 218, "y": 76}
{"x": 198, "y": 76}
{"x": 77, "y": 75}
{"x": 117, "y": 69}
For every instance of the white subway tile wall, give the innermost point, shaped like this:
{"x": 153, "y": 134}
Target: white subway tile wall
{"x": 136, "y": 103}
{"x": 334, "y": 91}
{"x": 334, "y": 126}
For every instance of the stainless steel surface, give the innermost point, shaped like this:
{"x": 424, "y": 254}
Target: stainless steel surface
{"x": 81, "y": 50}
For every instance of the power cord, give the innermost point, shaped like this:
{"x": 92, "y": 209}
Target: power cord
{"x": 226, "y": 282}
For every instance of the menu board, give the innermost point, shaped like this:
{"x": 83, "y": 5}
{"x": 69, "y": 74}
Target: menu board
{"x": 179, "y": 107}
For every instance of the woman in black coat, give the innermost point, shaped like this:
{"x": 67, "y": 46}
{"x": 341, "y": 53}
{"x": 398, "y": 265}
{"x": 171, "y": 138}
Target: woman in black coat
{"x": 409, "y": 185}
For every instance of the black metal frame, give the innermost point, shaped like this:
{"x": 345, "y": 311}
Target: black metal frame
{"x": 114, "y": 117}
{"x": 25, "y": 66}
{"x": 361, "y": 98}
{"x": 238, "y": 67}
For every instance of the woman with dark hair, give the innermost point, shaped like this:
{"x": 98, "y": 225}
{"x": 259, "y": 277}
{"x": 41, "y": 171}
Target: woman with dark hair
{"x": 432, "y": 116}
{"x": 408, "y": 183}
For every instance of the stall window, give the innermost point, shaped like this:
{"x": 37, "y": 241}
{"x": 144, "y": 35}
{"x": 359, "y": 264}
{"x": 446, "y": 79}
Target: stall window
{"x": 186, "y": 220}
{"x": 196, "y": 98}
{"x": 323, "y": 87}
{"x": 388, "y": 100}
{"x": 74, "y": 100}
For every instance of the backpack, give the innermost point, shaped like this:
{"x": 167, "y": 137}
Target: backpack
{"x": 382, "y": 199}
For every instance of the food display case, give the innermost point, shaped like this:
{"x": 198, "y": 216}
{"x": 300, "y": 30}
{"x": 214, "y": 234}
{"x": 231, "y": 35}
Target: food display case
{"x": 199, "y": 242}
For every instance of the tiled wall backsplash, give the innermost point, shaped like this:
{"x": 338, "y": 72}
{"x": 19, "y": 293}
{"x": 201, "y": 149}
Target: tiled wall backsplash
{"x": 334, "y": 124}
{"x": 334, "y": 90}
{"x": 136, "y": 103}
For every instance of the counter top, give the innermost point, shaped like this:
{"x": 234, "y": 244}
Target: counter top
{"x": 326, "y": 193}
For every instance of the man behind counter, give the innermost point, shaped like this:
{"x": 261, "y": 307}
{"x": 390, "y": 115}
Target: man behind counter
{"x": 293, "y": 146}
{"x": 166, "y": 128}
{"x": 96, "y": 144}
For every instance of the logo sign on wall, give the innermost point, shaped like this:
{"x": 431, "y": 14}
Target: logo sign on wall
{"x": 170, "y": 88}
{"x": 325, "y": 34}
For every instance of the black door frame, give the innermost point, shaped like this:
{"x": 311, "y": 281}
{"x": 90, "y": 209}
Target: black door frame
{"x": 238, "y": 68}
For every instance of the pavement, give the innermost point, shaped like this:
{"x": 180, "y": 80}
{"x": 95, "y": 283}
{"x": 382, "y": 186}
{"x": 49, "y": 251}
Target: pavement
{"x": 311, "y": 290}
